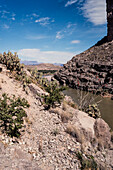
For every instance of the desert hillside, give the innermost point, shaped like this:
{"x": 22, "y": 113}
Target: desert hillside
{"x": 59, "y": 138}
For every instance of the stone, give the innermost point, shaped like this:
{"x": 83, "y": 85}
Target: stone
{"x": 110, "y": 19}
{"x": 102, "y": 133}
{"x": 97, "y": 74}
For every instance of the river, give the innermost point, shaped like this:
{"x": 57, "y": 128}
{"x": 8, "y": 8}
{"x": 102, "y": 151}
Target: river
{"x": 105, "y": 106}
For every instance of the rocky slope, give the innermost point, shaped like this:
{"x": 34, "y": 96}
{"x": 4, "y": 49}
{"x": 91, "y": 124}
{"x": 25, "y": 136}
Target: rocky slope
{"x": 45, "y": 144}
{"x": 91, "y": 70}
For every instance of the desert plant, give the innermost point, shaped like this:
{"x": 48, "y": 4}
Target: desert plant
{"x": 65, "y": 116}
{"x": 86, "y": 102}
{"x": 11, "y": 61}
{"x": 74, "y": 131}
{"x": 55, "y": 96}
{"x": 87, "y": 163}
{"x": 93, "y": 111}
{"x": 11, "y": 114}
{"x": 55, "y": 132}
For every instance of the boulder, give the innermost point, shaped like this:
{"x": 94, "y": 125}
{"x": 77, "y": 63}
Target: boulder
{"x": 102, "y": 133}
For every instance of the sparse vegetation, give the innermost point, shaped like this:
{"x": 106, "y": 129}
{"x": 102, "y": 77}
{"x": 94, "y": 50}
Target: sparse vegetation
{"x": 75, "y": 132}
{"x": 11, "y": 114}
{"x": 87, "y": 103}
{"x": 11, "y": 61}
{"x": 65, "y": 116}
{"x": 55, "y": 96}
{"x": 87, "y": 163}
{"x": 55, "y": 132}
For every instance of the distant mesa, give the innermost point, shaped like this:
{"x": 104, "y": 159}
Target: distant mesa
{"x": 29, "y": 62}
{"x": 26, "y": 62}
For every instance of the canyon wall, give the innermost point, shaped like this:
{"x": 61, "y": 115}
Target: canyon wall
{"x": 109, "y": 19}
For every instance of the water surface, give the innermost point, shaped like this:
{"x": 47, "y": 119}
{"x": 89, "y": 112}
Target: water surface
{"x": 105, "y": 106}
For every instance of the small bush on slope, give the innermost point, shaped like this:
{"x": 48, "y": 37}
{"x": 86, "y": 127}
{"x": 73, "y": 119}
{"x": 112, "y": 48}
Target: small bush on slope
{"x": 11, "y": 61}
{"x": 55, "y": 96}
{"x": 11, "y": 114}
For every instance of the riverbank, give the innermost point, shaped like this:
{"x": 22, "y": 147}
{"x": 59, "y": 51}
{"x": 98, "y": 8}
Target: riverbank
{"x": 105, "y": 106}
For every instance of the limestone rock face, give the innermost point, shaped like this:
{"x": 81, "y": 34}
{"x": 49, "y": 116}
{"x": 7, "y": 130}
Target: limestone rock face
{"x": 102, "y": 132}
{"x": 110, "y": 19}
{"x": 91, "y": 70}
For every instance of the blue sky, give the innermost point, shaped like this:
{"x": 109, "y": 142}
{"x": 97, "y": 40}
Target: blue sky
{"x": 51, "y": 31}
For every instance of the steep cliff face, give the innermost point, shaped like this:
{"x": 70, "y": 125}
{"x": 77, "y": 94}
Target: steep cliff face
{"x": 110, "y": 19}
{"x": 91, "y": 70}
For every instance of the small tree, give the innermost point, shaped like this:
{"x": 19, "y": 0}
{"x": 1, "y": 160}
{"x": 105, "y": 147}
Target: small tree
{"x": 11, "y": 114}
{"x": 55, "y": 96}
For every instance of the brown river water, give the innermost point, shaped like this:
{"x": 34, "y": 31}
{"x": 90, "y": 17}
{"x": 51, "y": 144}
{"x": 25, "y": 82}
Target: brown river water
{"x": 105, "y": 106}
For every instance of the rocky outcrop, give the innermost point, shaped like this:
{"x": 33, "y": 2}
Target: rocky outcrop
{"x": 102, "y": 132}
{"x": 110, "y": 19}
{"x": 91, "y": 70}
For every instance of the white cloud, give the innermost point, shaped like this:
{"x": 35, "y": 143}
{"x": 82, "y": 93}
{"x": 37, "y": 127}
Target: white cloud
{"x": 6, "y": 15}
{"x": 45, "y": 56}
{"x": 13, "y": 18}
{"x": 35, "y": 15}
{"x": 59, "y": 35}
{"x": 37, "y": 37}
{"x": 68, "y": 30}
{"x": 44, "y": 21}
{"x": 75, "y": 41}
{"x": 5, "y": 26}
{"x": 70, "y": 2}
{"x": 95, "y": 11}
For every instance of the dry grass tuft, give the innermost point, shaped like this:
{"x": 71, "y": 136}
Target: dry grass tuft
{"x": 65, "y": 116}
{"x": 75, "y": 132}
{"x": 64, "y": 107}
{"x": 72, "y": 104}
{"x": 28, "y": 121}
{"x": 56, "y": 111}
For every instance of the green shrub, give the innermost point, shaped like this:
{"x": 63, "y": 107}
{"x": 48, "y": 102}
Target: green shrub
{"x": 11, "y": 61}
{"x": 11, "y": 114}
{"x": 93, "y": 111}
{"x": 55, "y": 96}
{"x": 87, "y": 163}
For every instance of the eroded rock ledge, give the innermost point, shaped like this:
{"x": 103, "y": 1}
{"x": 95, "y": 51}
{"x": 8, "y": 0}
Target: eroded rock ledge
{"x": 91, "y": 70}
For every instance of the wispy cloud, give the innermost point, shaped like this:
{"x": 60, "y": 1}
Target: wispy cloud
{"x": 70, "y": 2}
{"x": 36, "y": 37}
{"x": 32, "y": 16}
{"x": 5, "y": 26}
{"x": 44, "y": 21}
{"x": 75, "y": 42}
{"x": 45, "y": 56}
{"x": 59, "y": 35}
{"x": 35, "y": 15}
{"x": 13, "y": 16}
{"x": 7, "y": 15}
{"x": 68, "y": 30}
{"x": 95, "y": 11}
